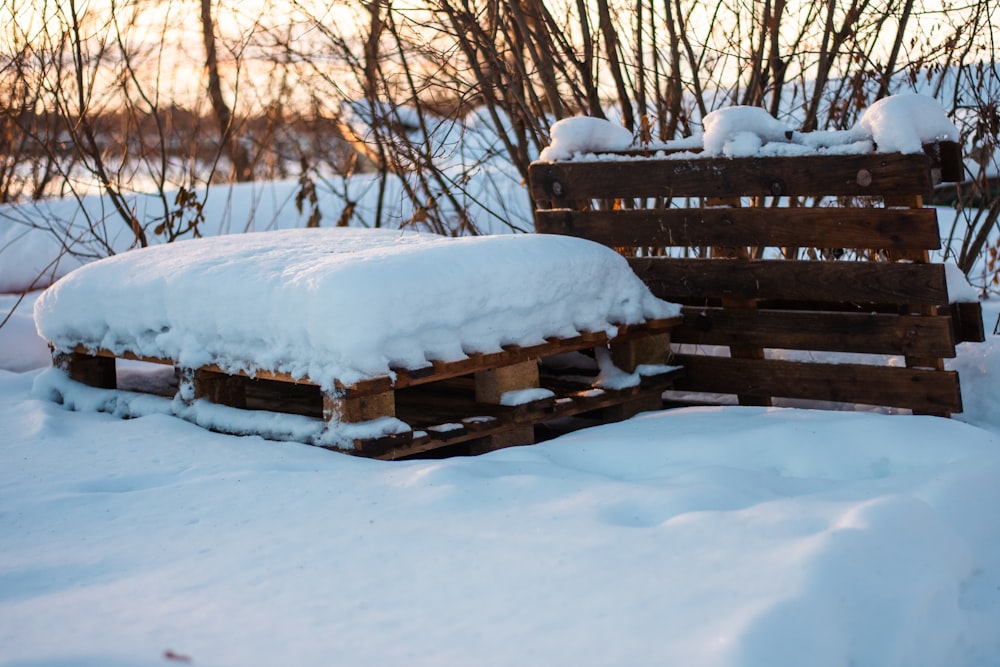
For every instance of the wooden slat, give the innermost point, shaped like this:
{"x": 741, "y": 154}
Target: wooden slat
{"x": 95, "y": 371}
{"x": 563, "y": 183}
{"x": 861, "y": 282}
{"x": 221, "y": 388}
{"x": 775, "y": 227}
{"x": 865, "y": 333}
{"x": 925, "y": 391}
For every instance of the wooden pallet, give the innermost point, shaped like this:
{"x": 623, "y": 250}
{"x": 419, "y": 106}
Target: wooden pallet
{"x": 745, "y": 244}
{"x": 444, "y": 404}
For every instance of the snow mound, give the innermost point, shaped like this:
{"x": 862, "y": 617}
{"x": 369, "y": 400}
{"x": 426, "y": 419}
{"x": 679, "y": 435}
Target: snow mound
{"x": 903, "y": 123}
{"x": 342, "y": 304}
{"x": 583, "y": 134}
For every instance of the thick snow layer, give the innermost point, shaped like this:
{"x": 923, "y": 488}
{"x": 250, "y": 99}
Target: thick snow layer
{"x": 959, "y": 289}
{"x": 902, "y": 123}
{"x": 584, "y": 134}
{"x": 342, "y": 304}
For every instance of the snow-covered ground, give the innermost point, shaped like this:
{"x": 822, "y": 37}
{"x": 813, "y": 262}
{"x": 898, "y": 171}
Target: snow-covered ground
{"x": 724, "y": 536}
{"x": 718, "y": 537}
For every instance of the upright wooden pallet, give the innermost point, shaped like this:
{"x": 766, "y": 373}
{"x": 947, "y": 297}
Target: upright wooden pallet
{"x": 474, "y": 402}
{"x": 748, "y": 245}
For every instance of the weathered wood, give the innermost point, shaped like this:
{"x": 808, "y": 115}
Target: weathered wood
{"x": 441, "y": 413}
{"x": 860, "y": 282}
{"x": 221, "y": 388}
{"x": 925, "y": 391}
{"x": 896, "y": 307}
{"x": 801, "y": 176}
{"x": 771, "y": 227}
{"x": 296, "y": 399}
{"x": 865, "y": 333}
{"x": 92, "y": 370}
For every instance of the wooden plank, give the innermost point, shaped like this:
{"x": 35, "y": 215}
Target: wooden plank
{"x": 859, "y": 282}
{"x": 564, "y": 183}
{"x": 926, "y": 391}
{"x": 221, "y": 388}
{"x": 92, "y": 370}
{"x": 297, "y": 399}
{"x": 100, "y": 352}
{"x": 770, "y": 227}
{"x": 866, "y": 333}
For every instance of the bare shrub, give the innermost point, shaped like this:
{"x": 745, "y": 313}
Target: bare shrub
{"x": 433, "y": 95}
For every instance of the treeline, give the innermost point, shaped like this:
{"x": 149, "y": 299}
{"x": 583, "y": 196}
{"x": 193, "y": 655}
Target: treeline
{"x": 41, "y": 153}
{"x": 121, "y": 95}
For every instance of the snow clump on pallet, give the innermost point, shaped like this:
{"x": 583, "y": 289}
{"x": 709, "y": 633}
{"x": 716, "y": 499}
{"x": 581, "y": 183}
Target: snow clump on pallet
{"x": 583, "y": 134}
{"x": 903, "y": 123}
{"x": 895, "y": 124}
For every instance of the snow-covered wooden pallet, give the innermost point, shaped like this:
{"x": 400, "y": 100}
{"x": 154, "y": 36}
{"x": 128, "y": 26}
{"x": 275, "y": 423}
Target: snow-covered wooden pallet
{"x": 486, "y": 401}
{"x": 381, "y": 343}
{"x": 756, "y": 246}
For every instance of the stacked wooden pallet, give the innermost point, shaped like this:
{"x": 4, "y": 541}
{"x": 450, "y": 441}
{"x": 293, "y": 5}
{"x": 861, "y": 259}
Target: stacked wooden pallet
{"x": 755, "y": 248}
{"x": 480, "y": 403}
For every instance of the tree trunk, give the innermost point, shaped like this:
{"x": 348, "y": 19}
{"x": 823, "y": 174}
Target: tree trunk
{"x": 223, "y": 114}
